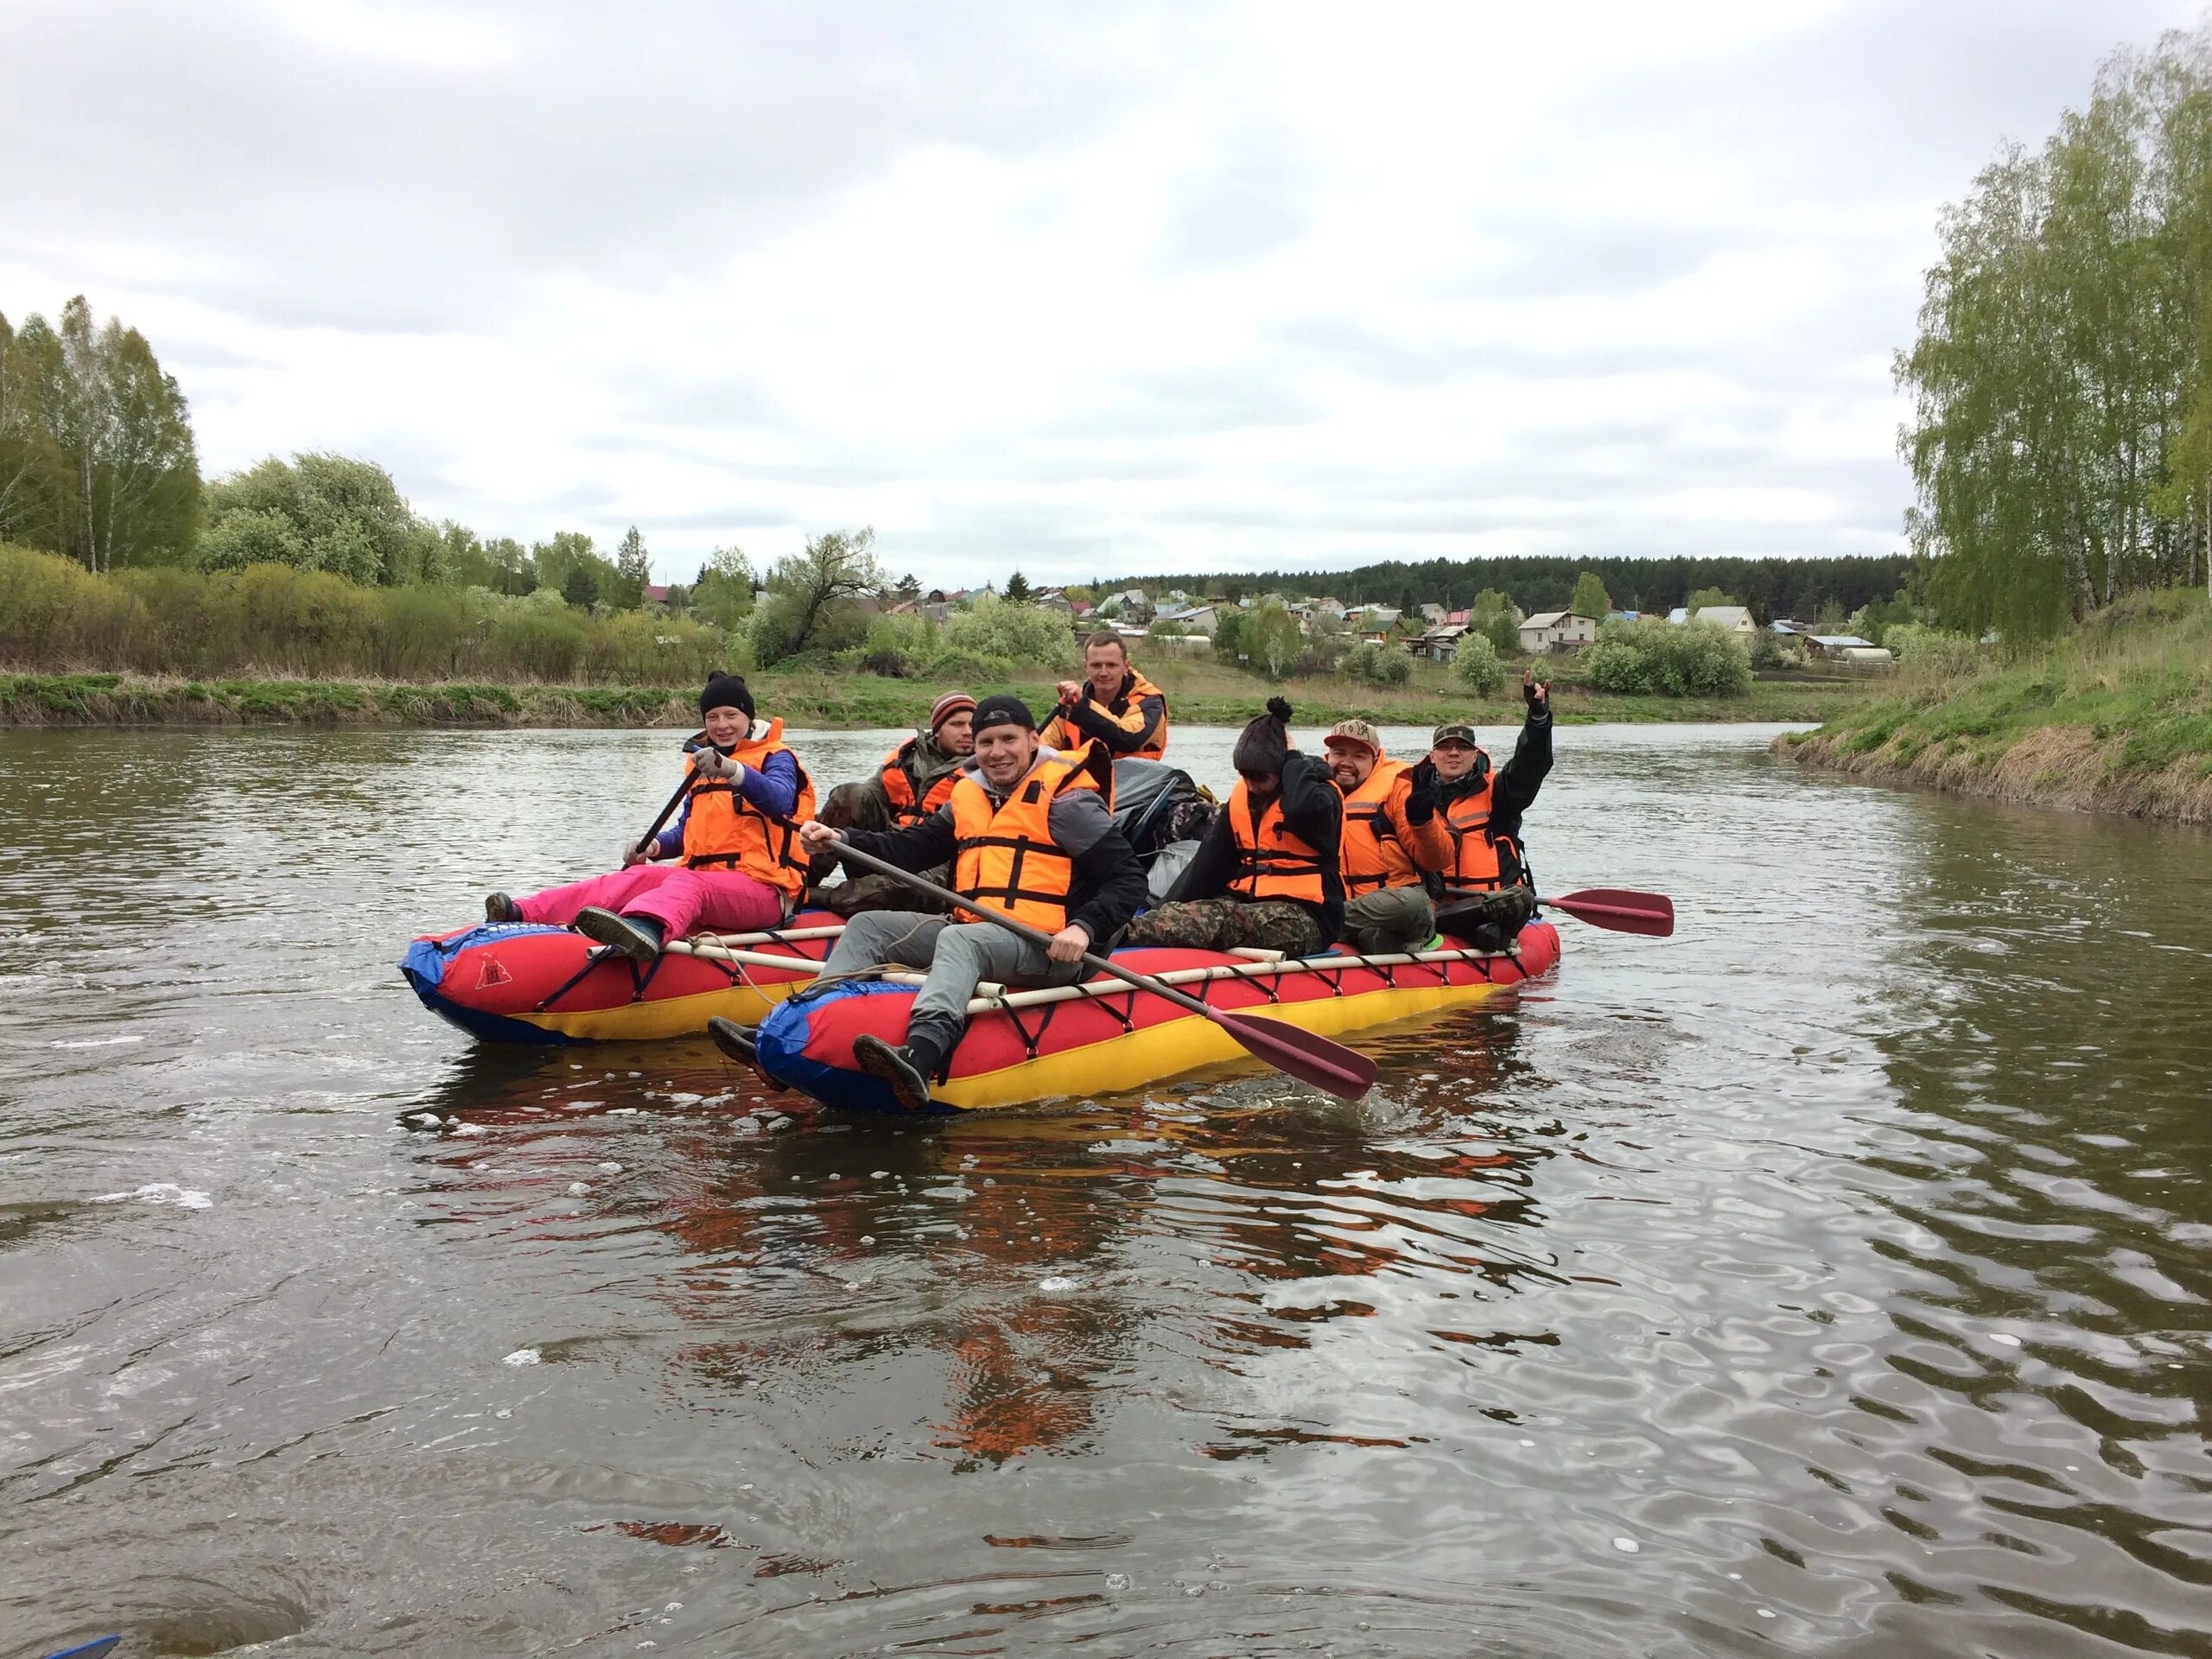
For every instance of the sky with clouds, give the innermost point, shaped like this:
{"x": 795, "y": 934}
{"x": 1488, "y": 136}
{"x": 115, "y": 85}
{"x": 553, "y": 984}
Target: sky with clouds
{"x": 1084, "y": 289}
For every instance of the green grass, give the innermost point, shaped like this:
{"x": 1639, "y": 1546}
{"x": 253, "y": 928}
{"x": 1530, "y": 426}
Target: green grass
{"x": 2137, "y": 679}
{"x": 1200, "y": 692}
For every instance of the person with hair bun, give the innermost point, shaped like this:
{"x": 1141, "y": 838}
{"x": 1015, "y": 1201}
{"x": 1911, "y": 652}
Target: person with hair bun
{"x": 1267, "y": 876}
{"x": 734, "y": 863}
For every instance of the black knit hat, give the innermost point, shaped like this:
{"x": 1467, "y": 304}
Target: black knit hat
{"x": 999, "y": 710}
{"x": 1264, "y": 744}
{"x": 726, "y": 691}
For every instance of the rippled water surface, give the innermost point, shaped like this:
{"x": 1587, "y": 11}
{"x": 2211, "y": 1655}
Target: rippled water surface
{"x": 1831, "y": 1279}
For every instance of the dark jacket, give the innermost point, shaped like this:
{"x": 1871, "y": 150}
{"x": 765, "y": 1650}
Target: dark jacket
{"x": 1313, "y": 810}
{"x": 1108, "y": 883}
{"x": 1515, "y": 789}
{"x": 1123, "y": 729}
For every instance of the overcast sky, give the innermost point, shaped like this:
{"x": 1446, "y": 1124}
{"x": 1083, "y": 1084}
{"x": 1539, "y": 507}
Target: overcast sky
{"x": 1086, "y": 289}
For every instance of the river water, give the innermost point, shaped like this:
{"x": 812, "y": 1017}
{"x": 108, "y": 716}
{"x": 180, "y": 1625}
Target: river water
{"x": 1831, "y": 1279}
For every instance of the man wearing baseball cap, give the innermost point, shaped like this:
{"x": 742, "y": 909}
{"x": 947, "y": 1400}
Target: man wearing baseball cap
{"x": 1482, "y": 810}
{"x": 1026, "y": 831}
{"x": 1392, "y": 841}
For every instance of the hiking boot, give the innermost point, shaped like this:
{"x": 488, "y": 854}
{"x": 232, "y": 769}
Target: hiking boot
{"x": 740, "y": 1043}
{"x": 636, "y": 937}
{"x": 498, "y": 907}
{"x": 910, "y": 1085}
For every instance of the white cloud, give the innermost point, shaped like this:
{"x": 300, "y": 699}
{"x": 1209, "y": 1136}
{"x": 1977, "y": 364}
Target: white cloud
{"x": 1173, "y": 287}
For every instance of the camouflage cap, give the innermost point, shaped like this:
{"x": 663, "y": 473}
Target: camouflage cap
{"x": 1354, "y": 731}
{"x": 1457, "y": 731}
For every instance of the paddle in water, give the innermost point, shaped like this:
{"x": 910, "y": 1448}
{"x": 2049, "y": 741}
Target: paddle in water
{"x": 1623, "y": 910}
{"x": 1344, "y": 1072}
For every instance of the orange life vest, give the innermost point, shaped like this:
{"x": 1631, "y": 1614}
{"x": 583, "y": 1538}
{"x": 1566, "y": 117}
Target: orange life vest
{"x": 899, "y": 788}
{"x": 1271, "y": 861}
{"x": 1125, "y": 711}
{"x": 1370, "y": 855}
{"x": 1005, "y": 854}
{"x": 722, "y": 831}
{"x": 1477, "y": 861}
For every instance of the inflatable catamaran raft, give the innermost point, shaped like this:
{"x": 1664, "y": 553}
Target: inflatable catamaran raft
{"x": 1104, "y": 1037}
{"x": 521, "y": 983}
{"x": 524, "y": 983}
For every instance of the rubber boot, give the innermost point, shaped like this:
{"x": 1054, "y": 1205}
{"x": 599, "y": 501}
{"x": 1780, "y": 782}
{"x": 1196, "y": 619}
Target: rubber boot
{"x": 636, "y": 937}
{"x": 907, "y": 1069}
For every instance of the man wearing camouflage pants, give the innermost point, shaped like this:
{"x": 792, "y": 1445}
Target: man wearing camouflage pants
{"x": 1266, "y": 876}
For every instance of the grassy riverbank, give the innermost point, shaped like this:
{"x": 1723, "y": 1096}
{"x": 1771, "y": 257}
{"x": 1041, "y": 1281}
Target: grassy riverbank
{"x": 2115, "y": 718}
{"x": 1199, "y": 694}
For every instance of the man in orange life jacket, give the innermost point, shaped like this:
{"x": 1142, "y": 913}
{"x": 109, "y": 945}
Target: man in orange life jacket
{"x": 1394, "y": 841}
{"x": 741, "y": 869}
{"x": 1266, "y": 873}
{"x": 1026, "y": 831}
{"x": 1112, "y": 705}
{"x": 913, "y": 781}
{"x": 1482, "y": 810}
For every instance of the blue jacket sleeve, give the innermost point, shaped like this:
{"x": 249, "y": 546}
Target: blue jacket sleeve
{"x": 773, "y": 787}
{"x": 670, "y": 841}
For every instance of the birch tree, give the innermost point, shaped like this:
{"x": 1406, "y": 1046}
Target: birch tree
{"x": 2061, "y": 433}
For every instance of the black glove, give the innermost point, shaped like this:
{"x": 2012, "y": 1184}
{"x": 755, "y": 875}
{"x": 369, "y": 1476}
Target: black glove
{"x": 1421, "y": 798}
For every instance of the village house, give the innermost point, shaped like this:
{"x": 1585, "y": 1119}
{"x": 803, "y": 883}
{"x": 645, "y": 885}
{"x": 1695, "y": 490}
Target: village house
{"x": 1734, "y": 618}
{"x": 1557, "y": 631}
{"x": 1130, "y": 604}
{"x": 1191, "y": 619}
{"x": 1440, "y": 644}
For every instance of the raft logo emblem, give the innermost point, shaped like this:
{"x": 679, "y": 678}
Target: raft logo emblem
{"x": 492, "y": 973}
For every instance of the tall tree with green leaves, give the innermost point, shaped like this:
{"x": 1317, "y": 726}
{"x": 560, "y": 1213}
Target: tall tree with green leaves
{"x": 1017, "y": 589}
{"x": 2060, "y": 345}
{"x": 634, "y": 572}
{"x": 812, "y": 595}
{"x": 318, "y": 512}
{"x": 723, "y": 593}
{"x": 1590, "y": 599}
{"x": 34, "y": 473}
{"x": 97, "y": 440}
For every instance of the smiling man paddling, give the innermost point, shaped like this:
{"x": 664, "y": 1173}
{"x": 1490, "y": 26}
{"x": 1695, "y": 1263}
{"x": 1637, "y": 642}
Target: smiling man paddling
{"x": 1028, "y": 832}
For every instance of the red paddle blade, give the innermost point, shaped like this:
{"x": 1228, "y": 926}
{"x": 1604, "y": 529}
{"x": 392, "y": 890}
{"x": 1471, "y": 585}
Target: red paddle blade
{"x": 1622, "y": 909}
{"x": 1344, "y": 1072}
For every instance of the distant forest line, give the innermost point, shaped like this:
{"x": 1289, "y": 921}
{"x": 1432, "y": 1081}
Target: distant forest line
{"x": 1772, "y": 587}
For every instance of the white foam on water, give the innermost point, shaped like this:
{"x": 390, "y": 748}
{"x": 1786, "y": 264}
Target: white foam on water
{"x": 98, "y": 1042}
{"x": 1052, "y": 1287}
{"x": 184, "y": 1198}
{"x": 523, "y": 1356}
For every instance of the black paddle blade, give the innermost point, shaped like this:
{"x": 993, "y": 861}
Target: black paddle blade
{"x": 1622, "y": 909}
{"x": 1344, "y": 1072}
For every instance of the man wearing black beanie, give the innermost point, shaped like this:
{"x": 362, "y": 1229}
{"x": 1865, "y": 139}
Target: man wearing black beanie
{"x": 1028, "y": 832}
{"x": 1267, "y": 874}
